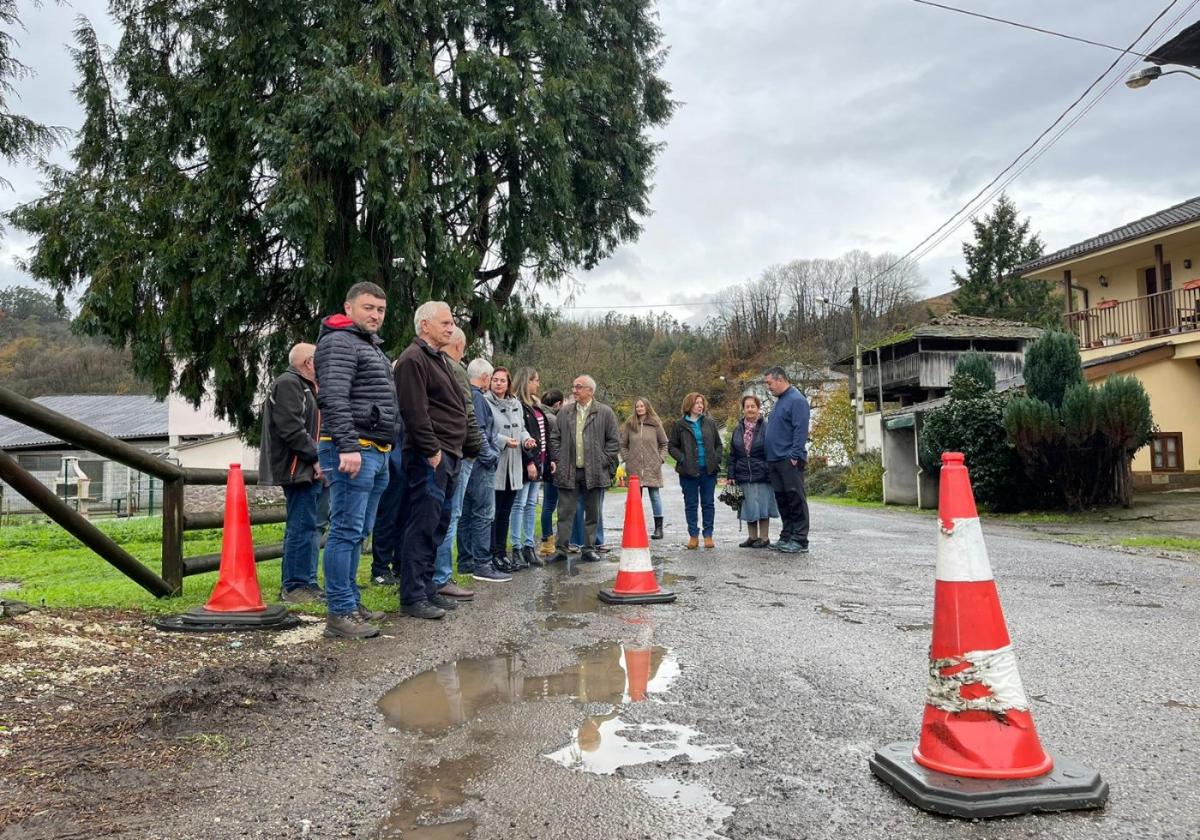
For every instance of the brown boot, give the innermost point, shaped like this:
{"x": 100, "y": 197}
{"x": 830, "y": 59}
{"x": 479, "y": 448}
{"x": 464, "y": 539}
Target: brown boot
{"x": 708, "y": 543}
{"x": 693, "y": 542}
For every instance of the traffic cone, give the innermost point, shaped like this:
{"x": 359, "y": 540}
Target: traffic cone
{"x": 236, "y": 602}
{"x": 237, "y": 580}
{"x": 637, "y": 671}
{"x": 636, "y": 582}
{"x": 977, "y": 723}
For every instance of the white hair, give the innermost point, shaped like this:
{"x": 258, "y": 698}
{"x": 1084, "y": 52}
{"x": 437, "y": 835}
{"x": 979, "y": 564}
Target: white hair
{"x": 587, "y": 380}
{"x": 301, "y": 353}
{"x": 426, "y": 311}
{"x": 458, "y": 336}
{"x": 478, "y": 368}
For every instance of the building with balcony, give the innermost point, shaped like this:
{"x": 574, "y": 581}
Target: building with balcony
{"x": 1133, "y": 302}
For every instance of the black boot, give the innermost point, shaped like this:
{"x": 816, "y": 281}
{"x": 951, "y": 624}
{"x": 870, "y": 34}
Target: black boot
{"x": 531, "y": 556}
{"x": 657, "y": 535}
{"x": 518, "y": 560}
{"x": 500, "y": 561}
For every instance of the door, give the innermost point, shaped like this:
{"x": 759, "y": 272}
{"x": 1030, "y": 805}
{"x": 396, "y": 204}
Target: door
{"x": 1160, "y": 307}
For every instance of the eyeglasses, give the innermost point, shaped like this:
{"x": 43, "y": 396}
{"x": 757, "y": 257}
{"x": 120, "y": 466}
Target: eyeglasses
{"x": 579, "y": 387}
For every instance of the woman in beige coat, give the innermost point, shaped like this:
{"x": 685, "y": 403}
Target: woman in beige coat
{"x": 644, "y": 450}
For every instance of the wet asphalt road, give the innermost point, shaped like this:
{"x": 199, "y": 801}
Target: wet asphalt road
{"x": 781, "y": 676}
{"x": 768, "y": 685}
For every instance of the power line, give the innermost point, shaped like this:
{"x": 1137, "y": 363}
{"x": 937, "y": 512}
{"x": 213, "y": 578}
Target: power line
{"x": 963, "y": 211}
{"x": 1053, "y": 140}
{"x": 1019, "y": 25}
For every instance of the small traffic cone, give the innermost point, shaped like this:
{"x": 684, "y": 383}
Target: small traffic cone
{"x": 236, "y": 602}
{"x": 636, "y": 582}
{"x": 977, "y": 723}
{"x": 237, "y": 580}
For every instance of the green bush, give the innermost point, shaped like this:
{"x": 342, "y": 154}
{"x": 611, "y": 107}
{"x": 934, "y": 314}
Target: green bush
{"x": 973, "y": 377}
{"x": 864, "y": 478}
{"x": 975, "y": 427}
{"x": 822, "y": 479}
{"x": 1052, "y": 366}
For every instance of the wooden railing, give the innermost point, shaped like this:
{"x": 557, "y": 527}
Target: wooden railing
{"x": 175, "y": 567}
{"x": 904, "y": 369}
{"x": 1117, "y": 322}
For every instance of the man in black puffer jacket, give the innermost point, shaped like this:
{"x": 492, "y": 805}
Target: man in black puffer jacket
{"x": 358, "y": 425}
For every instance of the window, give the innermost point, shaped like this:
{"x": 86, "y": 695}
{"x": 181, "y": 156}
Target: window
{"x": 1166, "y": 452}
{"x": 40, "y": 463}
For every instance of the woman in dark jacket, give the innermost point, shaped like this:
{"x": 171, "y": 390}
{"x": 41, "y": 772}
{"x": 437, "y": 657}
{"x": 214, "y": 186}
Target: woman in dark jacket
{"x": 695, "y": 444}
{"x": 524, "y": 511}
{"x": 748, "y": 469}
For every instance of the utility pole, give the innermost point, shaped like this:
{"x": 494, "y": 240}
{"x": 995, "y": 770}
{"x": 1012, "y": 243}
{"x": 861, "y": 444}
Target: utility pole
{"x": 860, "y": 416}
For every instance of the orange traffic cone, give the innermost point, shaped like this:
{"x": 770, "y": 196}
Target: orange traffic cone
{"x": 636, "y": 582}
{"x": 236, "y": 602}
{"x": 237, "y": 581}
{"x": 637, "y": 671}
{"x": 977, "y": 723}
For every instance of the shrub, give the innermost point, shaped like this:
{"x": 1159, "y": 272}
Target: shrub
{"x": 1052, "y": 366}
{"x": 973, "y": 377}
{"x": 864, "y": 478}
{"x": 823, "y": 479}
{"x": 975, "y": 427}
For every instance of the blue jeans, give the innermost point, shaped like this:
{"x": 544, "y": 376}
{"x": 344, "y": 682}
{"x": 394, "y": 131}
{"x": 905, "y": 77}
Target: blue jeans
{"x": 430, "y": 499}
{"x": 699, "y": 490}
{"x": 577, "y": 525}
{"x": 389, "y": 523}
{"x": 475, "y": 527}
{"x": 522, "y": 521}
{"x": 352, "y": 506}
{"x": 443, "y": 567}
{"x": 655, "y": 500}
{"x": 301, "y": 536}
{"x": 549, "y": 505}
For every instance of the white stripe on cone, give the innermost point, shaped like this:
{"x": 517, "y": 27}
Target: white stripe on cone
{"x": 635, "y": 560}
{"x": 961, "y": 553}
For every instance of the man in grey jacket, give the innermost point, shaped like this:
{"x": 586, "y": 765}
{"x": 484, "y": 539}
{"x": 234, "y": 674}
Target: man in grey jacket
{"x": 287, "y": 457}
{"x": 583, "y": 453}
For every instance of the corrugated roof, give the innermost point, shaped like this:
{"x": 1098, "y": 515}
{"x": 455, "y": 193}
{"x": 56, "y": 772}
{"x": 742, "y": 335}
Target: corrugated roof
{"x": 1181, "y": 214}
{"x": 126, "y": 417}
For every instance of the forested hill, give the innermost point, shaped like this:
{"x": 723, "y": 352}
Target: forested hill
{"x": 40, "y": 354}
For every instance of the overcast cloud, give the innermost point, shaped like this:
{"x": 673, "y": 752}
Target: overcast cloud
{"x": 807, "y": 129}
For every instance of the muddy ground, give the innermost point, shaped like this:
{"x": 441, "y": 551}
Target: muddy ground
{"x": 110, "y": 728}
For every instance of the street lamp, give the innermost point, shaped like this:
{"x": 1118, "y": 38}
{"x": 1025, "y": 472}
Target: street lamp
{"x": 860, "y": 417}
{"x": 1147, "y": 75}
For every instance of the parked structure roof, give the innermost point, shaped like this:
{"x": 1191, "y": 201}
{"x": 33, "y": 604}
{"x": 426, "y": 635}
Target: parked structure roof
{"x": 1184, "y": 213}
{"x": 123, "y": 416}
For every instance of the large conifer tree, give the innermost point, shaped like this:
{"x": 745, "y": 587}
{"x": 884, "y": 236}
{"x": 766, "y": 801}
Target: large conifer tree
{"x": 242, "y": 162}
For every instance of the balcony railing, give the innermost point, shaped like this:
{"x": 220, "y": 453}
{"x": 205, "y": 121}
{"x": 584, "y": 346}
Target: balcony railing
{"x": 1117, "y": 322}
{"x": 933, "y": 368}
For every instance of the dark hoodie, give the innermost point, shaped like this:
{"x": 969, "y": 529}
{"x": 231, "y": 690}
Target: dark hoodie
{"x": 357, "y": 397}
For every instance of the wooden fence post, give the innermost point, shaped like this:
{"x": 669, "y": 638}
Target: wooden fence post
{"x": 172, "y": 534}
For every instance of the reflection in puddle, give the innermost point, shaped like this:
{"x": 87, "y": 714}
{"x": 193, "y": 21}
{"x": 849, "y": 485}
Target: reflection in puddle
{"x": 605, "y": 743}
{"x": 433, "y": 792}
{"x": 435, "y": 701}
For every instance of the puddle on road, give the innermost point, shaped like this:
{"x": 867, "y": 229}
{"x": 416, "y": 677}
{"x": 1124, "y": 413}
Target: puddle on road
{"x": 605, "y": 743}
{"x": 692, "y": 798}
{"x": 611, "y": 674}
{"x": 436, "y": 701}
{"x": 436, "y": 792}
{"x": 560, "y": 596}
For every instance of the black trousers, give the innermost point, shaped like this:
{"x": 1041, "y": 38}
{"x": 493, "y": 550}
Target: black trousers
{"x": 788, "y": 483}
{"x": 430, "y": 499}
{"x": 504, "y": 506}
{"x": 568, "y": 501}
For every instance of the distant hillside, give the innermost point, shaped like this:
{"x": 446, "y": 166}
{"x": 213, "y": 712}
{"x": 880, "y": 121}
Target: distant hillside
{"x": 39, "y": 353}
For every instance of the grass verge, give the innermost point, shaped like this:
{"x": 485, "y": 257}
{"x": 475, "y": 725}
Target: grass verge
{"x": 1178, "y": 543}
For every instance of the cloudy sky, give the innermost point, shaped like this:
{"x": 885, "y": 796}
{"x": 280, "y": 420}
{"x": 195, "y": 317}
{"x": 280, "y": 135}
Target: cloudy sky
{"x": 808, "y": 128}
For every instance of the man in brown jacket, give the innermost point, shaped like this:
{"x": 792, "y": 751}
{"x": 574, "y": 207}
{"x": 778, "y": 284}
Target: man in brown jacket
{"x": 583, "y": 453}
{"x": 435, "y": 424}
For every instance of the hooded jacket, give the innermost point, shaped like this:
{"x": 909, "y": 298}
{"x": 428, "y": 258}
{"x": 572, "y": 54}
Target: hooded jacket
{"x": 357, "y": 397}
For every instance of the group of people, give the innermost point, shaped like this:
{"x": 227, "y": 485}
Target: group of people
{"x": 430, "y": 454}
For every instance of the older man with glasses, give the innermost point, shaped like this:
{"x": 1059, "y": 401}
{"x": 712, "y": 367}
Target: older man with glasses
{"x": 583, "y": 450}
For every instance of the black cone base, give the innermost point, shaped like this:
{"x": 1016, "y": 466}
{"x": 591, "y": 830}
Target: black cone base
{"x": 1068, "y": 787}
{"x": 662, "y": 596}
{"x": 200, "y": 620}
